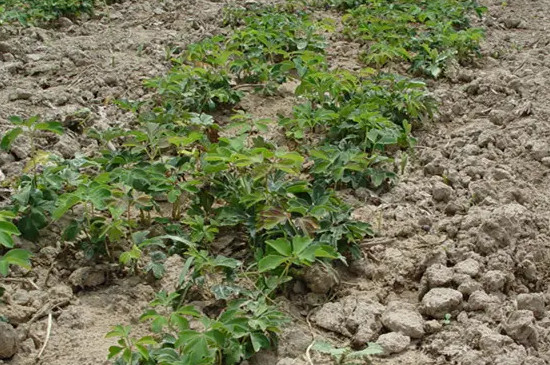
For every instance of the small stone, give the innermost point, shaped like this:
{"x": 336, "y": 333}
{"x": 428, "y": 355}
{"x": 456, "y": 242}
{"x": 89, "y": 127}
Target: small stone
{"x": 5, "y": 48}
{"x": 433, "y": 326}
{"x": 34, "y": 57}
{"x": 501, "y": 174}
{"x": 299, "y": 287}
{"x": 64, "y": 22}
{"x": 17, "y": 314}
{"x": 441, "y": 192}
{"x": 540, "y": 150}
{"x": 393, "y": 343}
{"x": 462, "y": 317}
{"x": 110, "y": 80}
{"x": 87, "y": 277}
{"x": 8, "y": 340}
{"x": 439, "y": 275}
{"x": 520, "y": 325}
{"x": 293, "y": 341}
{"x": 512, "y": 23}
{"x": 330, "y": 317}
{"x": 529, "y": 270}
{"x": 61, "y": 291}
{"x": 314, "y": 299}
{"x": 453, "y": 208}
{"x": 21, "y": 297}
{"x": 533, "y": 302}
{"x": 20, "y": 95}
{"x": 494, "y": 281}
{"x": 320, "y": 280}
{"x": 67, "y": 146}
{"x": 479, "y": 300}
{"x": 404, "y": 318}
{"x": 493, "y": 343}
{"x": 469, "y": 267}
{"x": 27, "y": 347}
{"x": 440, "y": 301}
{"x": 468, "y": 287}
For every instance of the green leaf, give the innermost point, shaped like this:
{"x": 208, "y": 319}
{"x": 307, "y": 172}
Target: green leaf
{"x": 173, "y": 196}
{"x": 31, "y": 224}
{"x": 224, "y": 291}
{"x": 6, "y": 240}
{"x": 66, "y": 203}
{"x": 300, "y": 243}
{"x": 54, "y": 127}
{"x": 71, "y": 231}
{"x": 326, "y": 251}
{"x": 142, "y": 351}
{"x": 9, "y": 137}
{"x": 113, "y": 351}
{"x": 9, "y": 228}
{"x": 185, "y": 270}
{"x": 98, "y": 197}
{"x": 139, "y": 236}
{"x": 259, "y": 341}
{"x": 270, "y": 262}
{"x": 372, "y": 349}
{"x": 281, "y": 245}
{"x": 16, "y": 256}
{"x": 16, "y": 120}
{"x": 327, "y": 348}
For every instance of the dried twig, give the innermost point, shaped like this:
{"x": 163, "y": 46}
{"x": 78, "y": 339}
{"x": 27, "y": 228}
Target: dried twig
{"x": 21, "y": 280}
{"x": 376, "y": 242}
{"x": 308, "y": 350}
{"x": 46, "y": 308}
{"x": 48, "y": 332}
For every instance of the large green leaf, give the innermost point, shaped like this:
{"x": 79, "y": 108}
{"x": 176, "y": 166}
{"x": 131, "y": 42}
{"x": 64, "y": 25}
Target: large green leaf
{"x": 300, "y": 243}
{"x": 259, "y": 341}
{"x": 31, "y": 224}
{"x": 9, "y": 137}
{"x": 9, "y": 228}
{"x": 17, "y": 257}
{"x": 54, "y": 127}
{"x": 271, "y": 262}
{"x": 371, "y": 349}
{"x": 66, "y": 203}
{"x": 6, "y": 240}
{"x": 281, "y": 245}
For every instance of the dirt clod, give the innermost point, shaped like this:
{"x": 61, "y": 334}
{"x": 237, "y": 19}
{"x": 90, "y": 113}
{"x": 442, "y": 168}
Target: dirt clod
{"x": 87, "y": 277}
{"x": 8, "y": 341}
{"x": 520, "y": 325}
{"x": 533, "y": 302}
{"x": 393, "y": 343}
{"x": 441, "y": 301}
{"x": 404, "y": 318}
{"x": 319, "y": 279}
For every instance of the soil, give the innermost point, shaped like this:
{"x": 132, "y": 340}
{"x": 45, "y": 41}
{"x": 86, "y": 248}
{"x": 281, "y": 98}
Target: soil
{"x": 458, "y": 272}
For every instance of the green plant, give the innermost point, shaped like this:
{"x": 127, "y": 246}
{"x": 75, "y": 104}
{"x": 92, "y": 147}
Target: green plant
{"x": 300, "y": 252}
{"x": 29, "y": 12}
{"x": 36, "y": 193}
{"x": 196, "y": 89}
{"x": 30, "y": 128}
{"x": 425, "y": 33}
{"x": 242, "y": 329}
{"x": 347, "y": 356}
{"x": 245, "y": 211}
{"x": 13, "y": 256}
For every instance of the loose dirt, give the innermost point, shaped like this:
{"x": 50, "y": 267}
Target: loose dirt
{"x": 458, "y": 272}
